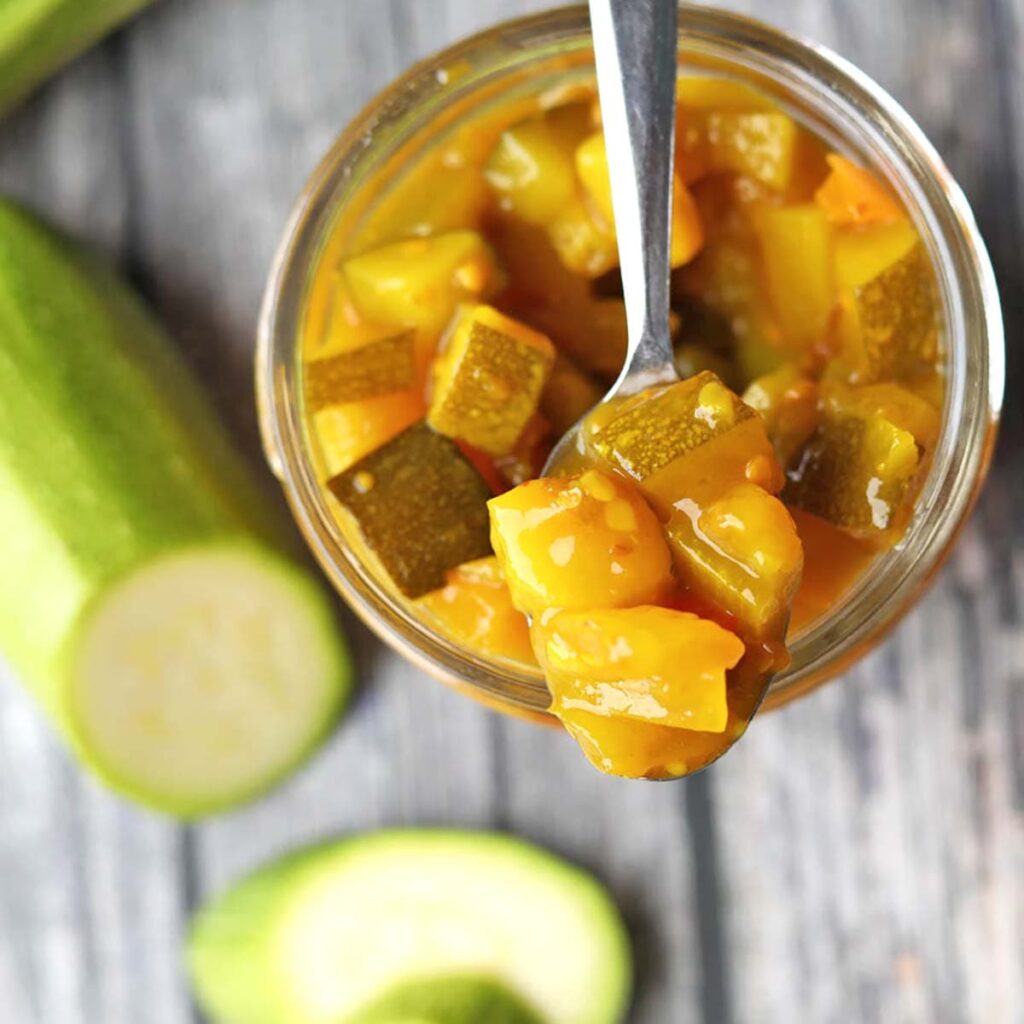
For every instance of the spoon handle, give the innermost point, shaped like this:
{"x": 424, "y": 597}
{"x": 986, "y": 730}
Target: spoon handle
{"x": 635, "y": 53}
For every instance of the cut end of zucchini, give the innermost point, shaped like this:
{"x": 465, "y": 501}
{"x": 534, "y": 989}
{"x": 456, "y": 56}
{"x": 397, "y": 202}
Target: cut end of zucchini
{"x": 412, "y": 922}
{"x": 198, "y": 679}
{"x": 415, "y": 904}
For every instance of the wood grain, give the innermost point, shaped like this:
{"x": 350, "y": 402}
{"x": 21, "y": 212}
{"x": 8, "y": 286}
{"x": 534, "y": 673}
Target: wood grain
{"x": 859, "y": 857}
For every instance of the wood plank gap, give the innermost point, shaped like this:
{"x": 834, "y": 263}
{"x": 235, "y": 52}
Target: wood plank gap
{"x": 80, "y": 897}
{"x": 190, "y": 888}
{"x": 715, "y": 994}
{"x": 497, "y": 726}
{"x": 119, "y": 49}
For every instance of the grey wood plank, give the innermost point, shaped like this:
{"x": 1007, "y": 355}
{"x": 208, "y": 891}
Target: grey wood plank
{"x": 872, "y": 835}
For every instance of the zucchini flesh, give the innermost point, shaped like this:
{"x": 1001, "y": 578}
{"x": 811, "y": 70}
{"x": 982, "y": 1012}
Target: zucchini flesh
{"x": 340, "y": 928}
{"x": 201, "y": 671}
{"x": 121, "y": 496}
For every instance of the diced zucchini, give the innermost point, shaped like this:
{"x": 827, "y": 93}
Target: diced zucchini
{"x": 788, "y": 403}
{"x": 634, "y": 749}
{"x": 726, "y": 279}
{"x": 862, "y": 254}
{"x": 687, "y": 231}
{"x": 592, "y": 334}
{"x": 420, "y": 506}
{"x": 531, "y": 168}
{"x": 587, "y": 541}
{"x": 545, "y": 294}
{"x": 742, "y": 553}
{"x": 343, "y": 434}
{"x": 691, "y": 156}
{"x": 650, "y": 664}
{"x": 488, "y": 379}
{"x": 568, "y": 395}
{"x": 890, "y": 330}
{"x": 760, "y": 144}
{"x": 692, "y": 358}
{"x": 378, "y": 367}
{"x": 333, "y": 324}
{"x": 691, "y": 440}
{"x": 592, "y": 168}
{"x": 796, "y": 246}
{"x": 584, "y": 240}
{"x": 419, "y": 282}
{"x": 861, "y": 469}
{"x": 527, "y": 457}
{"x": 474, "y": 608}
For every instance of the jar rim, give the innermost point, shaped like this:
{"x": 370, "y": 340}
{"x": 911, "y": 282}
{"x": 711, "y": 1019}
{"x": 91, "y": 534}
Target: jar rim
{"x": 973, "y": 335}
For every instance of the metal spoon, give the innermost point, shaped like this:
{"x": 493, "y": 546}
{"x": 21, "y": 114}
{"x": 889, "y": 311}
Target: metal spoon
{"x": 635, "y": 54}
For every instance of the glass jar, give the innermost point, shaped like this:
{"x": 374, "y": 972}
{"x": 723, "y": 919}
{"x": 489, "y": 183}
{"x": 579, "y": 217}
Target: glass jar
{"x": 553, "y": 50}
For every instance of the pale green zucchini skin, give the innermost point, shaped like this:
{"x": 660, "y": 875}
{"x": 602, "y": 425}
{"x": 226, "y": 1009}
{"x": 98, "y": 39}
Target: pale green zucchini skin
{"x": 458, "y": 999}
{"x": 274, "y": 946}
{"x": 112, "y": 459}
{"x": 39, "y": 36}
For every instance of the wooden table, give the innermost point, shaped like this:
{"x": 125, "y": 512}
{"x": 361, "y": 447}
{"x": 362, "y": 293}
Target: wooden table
{"x": 859, "y": 857}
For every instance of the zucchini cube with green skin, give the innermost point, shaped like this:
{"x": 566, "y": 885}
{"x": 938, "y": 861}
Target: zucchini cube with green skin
{"x": 893, "y": 331}
{"x": 378, "y": 367}
{"x": 797, "y": 249}
{"x": 488, "y": 380}
{"x": 861, "y": 469}
{"x": 686, "y": 440}
{"x": 420, "y": 505}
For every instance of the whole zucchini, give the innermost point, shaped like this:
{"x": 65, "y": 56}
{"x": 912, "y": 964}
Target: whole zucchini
{"x": 144, "y": 598}
{"x": 39, "y": 36}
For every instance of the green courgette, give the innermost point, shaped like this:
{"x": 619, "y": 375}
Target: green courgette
{"x": 420, "y": 505}
{"x": 333, "y": 934}
{"x": 459, "y": 999}
{"x": 144, "y": 599}
{"x": 38, "y": 36}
